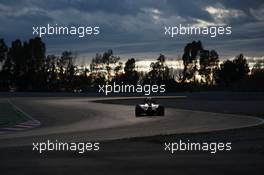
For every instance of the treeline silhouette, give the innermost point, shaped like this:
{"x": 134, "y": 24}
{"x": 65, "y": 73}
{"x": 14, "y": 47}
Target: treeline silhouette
{"x": 26, "y": 67}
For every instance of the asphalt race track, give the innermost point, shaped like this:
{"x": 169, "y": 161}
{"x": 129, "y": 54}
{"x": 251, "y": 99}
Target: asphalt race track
{"x": 96, "y": 121}
{"x": 127, "y": 139}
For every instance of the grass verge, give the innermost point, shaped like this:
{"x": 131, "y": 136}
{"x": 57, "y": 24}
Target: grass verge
{"x": 9, "y": 115}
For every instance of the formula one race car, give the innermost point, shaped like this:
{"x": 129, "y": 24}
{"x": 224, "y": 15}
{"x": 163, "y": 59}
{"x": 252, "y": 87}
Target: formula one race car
{"x": 149, "y": 108}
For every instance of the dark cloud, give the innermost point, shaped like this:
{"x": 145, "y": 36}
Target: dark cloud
{"x": 136, "y": 26}
{"x": 242, "y": 5}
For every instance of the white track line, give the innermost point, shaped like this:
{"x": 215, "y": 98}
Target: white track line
{"x": 13, "y": 129}
{"x": 24, "y": 126}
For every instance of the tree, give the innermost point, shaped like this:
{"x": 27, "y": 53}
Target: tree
{"x": 208, "y": 62}
{"x": 104, "y": 62}
{"x": 242, "y": 67}
{"x": 7, "y": 74}
{"x": 118, "y": 68}
{"x": 256, "y": 78}
{"x": 50, "y": 70}
{"x": 258, "y": 65}
{"x": 67, "y": 69}
{"x": 16, "y": 63}
{"x": 130, "y": 75}
{"x": 96, "y": 62}
{"x": 130, "y": 65}
{"x": 34, "y": 56}
{"x": 3, "y": 50}
{"x": 37, "y": 52}
{"x": 107, "y": 59}
{"x": 6, "y": 71}
{"x": 159, "y": 73}
{"x": 191, "y": 51}
{"x": 231, "y": 72}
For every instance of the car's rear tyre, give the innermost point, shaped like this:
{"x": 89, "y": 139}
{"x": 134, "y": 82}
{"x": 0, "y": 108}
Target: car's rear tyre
{"x": 138, "y": 111}
{"x": 161, "y": 111}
